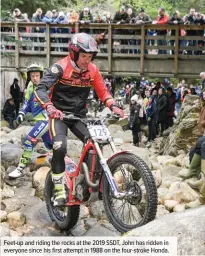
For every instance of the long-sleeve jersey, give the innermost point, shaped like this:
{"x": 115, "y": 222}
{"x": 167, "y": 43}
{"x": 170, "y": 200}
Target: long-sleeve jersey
{"x": 31, "y": 105}
{"x": 70, "y": 87}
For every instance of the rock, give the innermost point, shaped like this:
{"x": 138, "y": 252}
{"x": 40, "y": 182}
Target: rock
{"x": 11, "y": 204}
{"x": 155, "y": 165}
{"x": 41, "y": 232}
{"x": 24, "y": 192}
{"x": 16, "y": 219}
{"x": 118, "y": 141}
{"x": 113, "y": 128}
{"x": 126, "y": 136}
{"x": 184, "y": 132}
{"x": 161, "y": 192}
{"x": 4, "y": 229}
{"x": 21, "y": 181}
{"x": 174, "y": 161}
{"x": 29, "y": 200}
{"x": 144, "y": 128}
{"x": 123, "y": 121}
{"x": 74, "y": 148}
{"x": 163, "y": 159}
{"x": 3, "y": 215}
{"x": 169, "y": 175}
{"x": 10, "y": 154}
{"x": 90, "y": 222}
{"x": 179, "y": 208}
{"x": 181, "y": 192}
{"x": 161, "y": 211}
{"x": 97, "y": 209}
{"x": 2, "y": 176}
{"x": 7, "y": 192}
{"x": 185, "y": 161}
{"x": 157, "y": 177}
{"x": 84, "y": 212}
{"x": 99, "y": 230}
{"x": 187, "y": 226}
{"x": 79, "y": 230}
{"x": 36, "y": 215}
{"x": 170, "y": 204}
{"x": 39, "y": 181}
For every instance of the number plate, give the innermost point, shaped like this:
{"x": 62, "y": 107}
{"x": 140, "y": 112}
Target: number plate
{"x": 99, "y": 132}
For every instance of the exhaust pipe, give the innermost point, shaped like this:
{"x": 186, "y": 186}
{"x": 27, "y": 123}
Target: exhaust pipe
{"x": 87, "y": 177}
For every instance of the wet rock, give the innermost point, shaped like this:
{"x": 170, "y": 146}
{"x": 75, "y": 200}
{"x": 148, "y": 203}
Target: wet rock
{"x": 16, "y": 219}
{"x": 39, "y": 181}
{"x": 11, "y": 204}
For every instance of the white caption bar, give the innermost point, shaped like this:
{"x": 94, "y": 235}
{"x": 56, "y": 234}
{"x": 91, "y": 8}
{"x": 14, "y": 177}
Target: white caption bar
{"x": 148, "y": 246}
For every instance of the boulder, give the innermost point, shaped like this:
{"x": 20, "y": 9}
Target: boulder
{"x": 170, "y": 204}
{"x": 10, "y": 154}
{"x": 184, "y": 133}
{"x": 3, "y": 215}
{"x": 179, "y": 208}
{"x": 126, "y": 136}
{"x": 169, "y": 175}
{"x": 181, "y": 192}
{"x": 163, "y": 159}
{"x": 161, "y": 211}
{"x": 4, "y": 229}
{"x": 113, "y": 128}
{"x": 7, "y": 192}
{"x": 39, "y": 181}
{"x": 11, "y": 204}
{"x": 187, "y": 226}
{"x": 24, "y": 180}
{"x": 16, "y": 219}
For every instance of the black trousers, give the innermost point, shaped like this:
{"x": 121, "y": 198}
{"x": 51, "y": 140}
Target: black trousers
{"x": 170, "y": 121}
{"x": 58, "y": 130}
{"x": 152, "y": 130}
{"x": 163, "y": 126}
{"x": 17, "y": 105}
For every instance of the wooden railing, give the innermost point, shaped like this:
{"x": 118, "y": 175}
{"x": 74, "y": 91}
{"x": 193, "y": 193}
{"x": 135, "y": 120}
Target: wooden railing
{"x": 122, "y": 42}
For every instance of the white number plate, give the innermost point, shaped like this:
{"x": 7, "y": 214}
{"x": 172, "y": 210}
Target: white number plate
{"x": 99, "y": 132}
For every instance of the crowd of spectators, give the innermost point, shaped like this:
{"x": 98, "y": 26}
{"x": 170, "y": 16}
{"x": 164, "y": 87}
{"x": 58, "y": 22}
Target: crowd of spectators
{"x": 126, "y": 15}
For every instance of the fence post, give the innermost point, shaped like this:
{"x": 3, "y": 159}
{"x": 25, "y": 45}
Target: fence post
{"x": 176, "y": 50}
{"x": 110, "y": 48}
{"x": 48, "y": 46}
{"x": 142, "y": 49}
{"x": 16, "y": 45}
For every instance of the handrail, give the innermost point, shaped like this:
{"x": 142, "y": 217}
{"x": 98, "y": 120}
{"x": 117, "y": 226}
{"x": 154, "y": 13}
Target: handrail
{"x": 112, "y": 33}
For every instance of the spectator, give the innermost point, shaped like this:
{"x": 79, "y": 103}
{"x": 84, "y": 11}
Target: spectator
{"x": 175, "y": 20}
{"x": 9, "y": 112}
{"x": 192, "y": 90}
{"x": 108, "y": 18}
{"x": 121, "y": 16}
{"x": 171, "y": 102}
{"x": 16, "y": 94}
{"x": 134, "y": 120}
{"x": 73, "y": 19}
{"x": 48, "y": 18}
{"x": 54, "y": 15}
{"x": 18, "y": 16}
{"x": 162, "y": 110}
{"x": 38, "y": 17}
{"x": 143, "y": 18}
{"x": 202, "y": 76}
{"x": 190, "y": 19}
{"x": 162, "y": 18}
{"x": 151, "y": 114}
{"x": 199, "y": 21}
{"x": 85, "y": 17}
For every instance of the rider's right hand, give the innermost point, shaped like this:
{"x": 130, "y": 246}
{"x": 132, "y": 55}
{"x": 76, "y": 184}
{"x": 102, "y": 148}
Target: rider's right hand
{"x": 20, "y": 118}
{"x": 54, "y": 113}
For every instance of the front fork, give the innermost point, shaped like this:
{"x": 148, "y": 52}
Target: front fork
{"x": 108, "y": 173}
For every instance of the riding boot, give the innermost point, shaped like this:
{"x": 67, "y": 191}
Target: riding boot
{"x": 194, "y": 168}
{"x": 59, "y": 189}
{"x": 201, "y": 200}
{"x": 18, "y": 172}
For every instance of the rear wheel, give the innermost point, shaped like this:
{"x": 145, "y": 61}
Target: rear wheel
{"x": 65, "y": 217}
{"x": 135, "y": 179}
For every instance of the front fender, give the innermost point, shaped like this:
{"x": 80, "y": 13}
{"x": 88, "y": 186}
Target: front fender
{"x": 108, "y": 161}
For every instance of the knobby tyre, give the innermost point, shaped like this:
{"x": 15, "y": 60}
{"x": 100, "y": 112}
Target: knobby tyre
{"x": 65, "y": 217}
{"x": 144, "y": 200}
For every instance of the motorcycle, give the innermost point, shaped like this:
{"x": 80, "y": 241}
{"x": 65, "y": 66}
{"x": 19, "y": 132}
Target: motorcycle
{"x": 123, "y": 181}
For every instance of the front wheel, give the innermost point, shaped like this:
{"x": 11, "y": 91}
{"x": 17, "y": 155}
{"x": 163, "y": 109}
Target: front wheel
{"x": 65, "y": 217}
{"x": 135, "y": 179}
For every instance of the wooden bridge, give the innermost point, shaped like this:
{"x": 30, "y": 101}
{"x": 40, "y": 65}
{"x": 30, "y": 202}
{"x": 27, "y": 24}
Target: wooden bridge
{"x": 127, "y": 50}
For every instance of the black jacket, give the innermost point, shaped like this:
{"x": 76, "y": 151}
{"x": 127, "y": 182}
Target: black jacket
{"x": 162, "y": 108}
{"x": 15, "y": 91}
{"x": 9, "y": 110}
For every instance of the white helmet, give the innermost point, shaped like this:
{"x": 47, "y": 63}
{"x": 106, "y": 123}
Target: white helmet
{"x": 134, "y": 98}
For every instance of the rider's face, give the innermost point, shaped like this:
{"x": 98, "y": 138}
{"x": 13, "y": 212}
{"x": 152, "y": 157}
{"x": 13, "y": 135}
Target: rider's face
{"x": 35, "y": 77}
{"x": 84, "y": 59}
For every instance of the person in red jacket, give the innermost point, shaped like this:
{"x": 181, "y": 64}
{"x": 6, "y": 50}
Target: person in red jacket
{"x": 162, "y": 18}
{"x": 69, "y": 81}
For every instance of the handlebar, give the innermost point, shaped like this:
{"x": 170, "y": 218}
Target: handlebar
{"x": 85, "y": 120}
